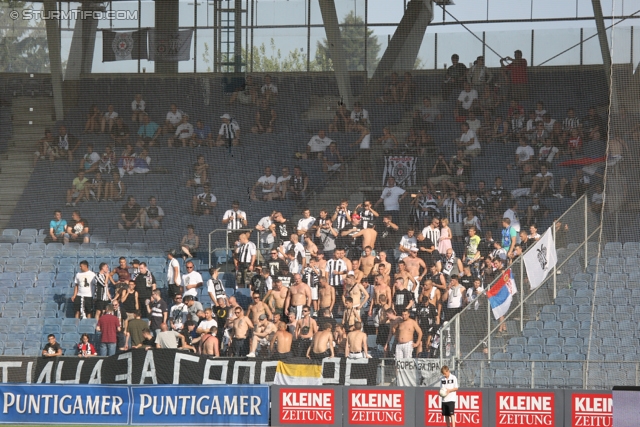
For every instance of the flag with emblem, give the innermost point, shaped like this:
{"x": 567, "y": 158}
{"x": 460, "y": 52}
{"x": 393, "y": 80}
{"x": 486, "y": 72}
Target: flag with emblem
{"x": 541, "y": 259}
{"x": 122, "y": 46}
{"x": 170, "y": 46}
{"x": 402, "y": 168}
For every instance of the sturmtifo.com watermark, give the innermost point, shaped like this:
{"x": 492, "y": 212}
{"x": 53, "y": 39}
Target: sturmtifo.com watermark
{"x": 75, "y": 14}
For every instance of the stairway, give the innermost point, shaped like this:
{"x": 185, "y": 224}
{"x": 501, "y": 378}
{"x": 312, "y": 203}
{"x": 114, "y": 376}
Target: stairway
{"x": 30, "y": 116}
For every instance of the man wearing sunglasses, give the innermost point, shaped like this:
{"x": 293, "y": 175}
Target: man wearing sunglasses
{"x": 239, "y": 333}
{"x": 306, "y": 327}
{"x": 299, "y": 296}
{"x": 257, "y": 309}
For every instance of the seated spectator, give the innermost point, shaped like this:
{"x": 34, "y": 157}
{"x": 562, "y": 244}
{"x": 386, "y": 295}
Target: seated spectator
{"x": 298, "y": 184}
{"x": 202, "y": 135}
{"x": 93, "y": 119}
{"x": 500, "y": 133}
{"x": 536, "y": 212}
{"x": 120, "y": 133}
{"x": 115, "y": 189}
{"x": 183, "y": 133}
{"x": 200, "y": 169}
{"x": 229, "y": 133}
{"x": 131, "y": 163}
{"x": 548, "y": 123}
{"x": 524, "y": 154}
{"x": 574, "y": 143}
{"x": 138, "y": 107}
{"x": 77, "y": 229}
{"x": 341, "y": 120}
{"x": 148, "y": 132}
{"x": 79, "y": 189}
{"x": 597, "y": 199}
{"x": 267, "y": 184}
{"x": 474, "y": 123}
{"x": 85, "y": 348}
{"x": 466, "y": 100}
{"x": 108, "y": 119}
{"x": 203, "y": 203}
{"x": 332, "y": 160}
{"x": 441, "y": 173}
{"x": 487, "y": 101}
{"x": 172, "y": 120}
{"x": 518, "y": 78}
{"x": 540, "y": 111}
{"x": 407, "y": 89}
{"x": 283, "y": 183}
{"x": 471, "y": 221}
{"x": 265, "y": 118}
{"x": 390, "y": 92}
{"x": 190, "y": 242}
{"x": 317, "y": 145}
{"x": 152, "y": 215}
{"x": 57, "y": 228}
{"x": 51, "y": 348}
{"x": 517, "y": 125}
{"x": 542, "y": 182}
{"x": 90, "y": 161}
{"x": 358, "y": 115}
{"x": 269, "y": 90}
{"x": 388, "y": 141}
{"x": 486, "y": 128}
{"x": 525, "y": 182}
{"x": 425, "y": 117}
{"x": 67, "y": 143}
{"x": 468, "y": 141}
{"x": 547, "y": 154}
{"x": 571, "y": 121}
{"x": 579, "y": 184}
{"x": 46, "y": 148}
{"x": 246, "y": 93}
{"x": 593, "y": 123}
{"x": 454, "y": 77}
{"x": 130, "y": 215}
{"x": 539, "y": 135}
{"x": 460, "y": 166}
{"x": 479, "y": 75}
{"x": 96, "y": 187}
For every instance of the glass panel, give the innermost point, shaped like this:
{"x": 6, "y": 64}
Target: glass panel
{"x": 204, "y": 59}
{"x": 319, "y": 61}
{"x": 591, "y": 53}
{"x": 20, "y": 57}
{"x": 147, "y": 14}
{"x": 316, "y": 15}
{"x": 505, "y": 43}
{"x": 426, "y": 57}
{"x": 124, "y": 16}
{"x": 464, "y": 44}
{"x": 385, "y": 11}
{"x": 503, "y": 9}
{"x": 186, "y": 13}
{"x": 463, "y": 10}
{"x": 281, "y": 12}
{"x": 554, "y": 9}
{"x": 548, "y": 43}
{"x": 621, "y": 45}
{"x": 585, "y": 7}
{"x": 636, "y": 47}
{"x": 280, "y": 49}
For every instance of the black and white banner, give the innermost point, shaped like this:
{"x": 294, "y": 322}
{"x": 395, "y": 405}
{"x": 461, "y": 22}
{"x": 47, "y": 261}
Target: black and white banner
{"x": 122, "y": 46}
{"x": 170, "y": 367}
{"x": 402, "y": 168}
{"x": 170, "y": 46}
{"x": 541, "y": 259}
{"x": 418, "y": 372}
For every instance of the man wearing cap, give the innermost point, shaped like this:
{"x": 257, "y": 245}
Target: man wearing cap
{"x": 174, "y": 280}
{"x": 229, "y": 133}
{"x": 262, "y": 335}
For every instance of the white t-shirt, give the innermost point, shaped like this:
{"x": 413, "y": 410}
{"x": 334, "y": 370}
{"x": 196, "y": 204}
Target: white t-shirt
{"x": 454, "y": 299}
{"x": 467, "y": 98}
{"x": 91, "y": 158}
{"x": 407, "y": 242}
{"x": 85, "y": 291}
{"x": 597, "y": 198}
{"x": 190, "y": 279}
{"x": 178, "y": 316}
{"x": 270, "y": 87}
{"x": 513, "y": 216}
{"x": 548, "y": 153}
{"x": 449, "y": 383}
{"x": 391, "y": 196}
{"x": 211, "y": 289}
{"x": 318, "y": 145}
{"x": 174, "y": 118}
{"x": 282, "y": 179}
{"x": 470, "y": 136}
{"x": 266, "y": 237}
{"x": 306, "y": 223}
{"x": 235, "y": 223}
{"x": 138, "y": 106}
{"x": 474, "y": 125}
{"x": 170, "y": 279}
{"x": 110, "y": 116}
{"x": 524, "y": 153}
{"x": 207, "y": 324}
{"x": 548, "y": 126}
{"x": 546, "y": 175}
{"x": 365, "y": 144}
{"x": 270, "y": 182}
{"x": 363, "y": 115}
{"x": 184, "y": 130}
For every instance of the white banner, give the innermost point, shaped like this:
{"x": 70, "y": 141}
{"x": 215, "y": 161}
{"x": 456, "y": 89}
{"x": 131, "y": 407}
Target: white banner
{"x": 418, "y": 372}
{"x": 402, "y": 168}
{"x": 541, "y": 259}
{"x": 170, "y": 46}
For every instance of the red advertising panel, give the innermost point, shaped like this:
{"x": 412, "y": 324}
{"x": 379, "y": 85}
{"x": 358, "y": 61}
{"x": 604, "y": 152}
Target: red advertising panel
{"x": 302, "y": 406}
{"x": 468, "y": 409}
{"x": 376, "y": 406}
{"x": 525, "y": 409}
{"x": 590, "y": 409}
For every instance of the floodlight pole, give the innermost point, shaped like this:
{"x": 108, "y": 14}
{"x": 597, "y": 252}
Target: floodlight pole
{"x": 606, "y": 53}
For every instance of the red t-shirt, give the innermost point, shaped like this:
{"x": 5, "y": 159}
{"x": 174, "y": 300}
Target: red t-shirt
{"x": 518, "y": 72}
{"x": 108, "y": 324}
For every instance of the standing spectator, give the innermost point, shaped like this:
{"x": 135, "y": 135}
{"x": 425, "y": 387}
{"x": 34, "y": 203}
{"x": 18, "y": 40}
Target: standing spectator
{"x": 189, "y": 243}
{"x": 145, "y": 284}
{"x": 79, "y": 189}
{"x": 158, "y": 311}
{"x": 358, "y": 115}
{"x": 84, "y": 285}
{"x": 467, "y": 101}
{"x": 57, "y": 228}
{"x": 283, "y": 183}
{"x": 85, "y": 348}
{"x": 391, "y": 197}
{"x": 364, "y": 144}
{"x": 130, "y": 215}
{"x": 234, "y": 219}
{"x": 342, "y": 215}
{"x": 318, "y": 144}
{"x": 267, "y": 184}
{"x": 265, "y": 236}
{"x": 326, "y": 237}
{"x": 148, "y": 131}
{"x": 229, "y": 133}
{"x": 388, "y": 141}
{"x": 51, "y": 348}
{"x": 152, "y": 215}
{"x": 109, "y": 325}
{"x": 172, "y": 120}
{"x": 444, "y": 241}
{"x": 168, "y": 338}
{"x": 454, "y": 77}
{"x": 102, "y": 295}
{"x": 138, "y": 107}
{"x": 135, "y": 328}
{"x": 241, "y": 326}
{"x": 341, "y": 120}
{"x": 479, "y": 75}
{"x": 77, "y": 229}
{"x": 509, "y": 236}
{"x": 454, "y": 208}
{"x": 205, "y": 202}
{"x": 174, "y": 280}
{"x": 177, "y": 314}
{"x": 191, "y": 281}
{"x": 517, "y": 69}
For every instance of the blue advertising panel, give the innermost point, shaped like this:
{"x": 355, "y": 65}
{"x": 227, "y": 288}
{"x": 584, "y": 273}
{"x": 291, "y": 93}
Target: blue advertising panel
{"x": 68, "y": 404}
{"x": 200, "y": 405}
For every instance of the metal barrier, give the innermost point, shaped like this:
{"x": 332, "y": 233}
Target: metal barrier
{"x": 228, "y": 248}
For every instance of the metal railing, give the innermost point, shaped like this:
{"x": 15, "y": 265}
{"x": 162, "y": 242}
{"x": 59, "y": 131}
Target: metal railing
{"x": 228, "y": 249}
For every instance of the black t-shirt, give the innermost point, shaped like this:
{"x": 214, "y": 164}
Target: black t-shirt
{"x": 78, "y": 226}
{"x": 157, "y": 310}
{"x": 275, "y": 266}
{"x": 430, "y": 258}
{"x": 259, "y": 284}
{"x": 52, "y": 349}
{"x": 120, "y": 131}
{"x": 401, "y": 300}
{"x": 467, "y": 281}
{"x": 297, "y": 182}
{"x": 130, "y": 213}
{"x": 284, "y": 230}
{"x": 151, "y": 342}
{"x": 485, "y": 247}
{"x": 144, "y": 284}
{"x": 222, "y": 314}
{"x": 287, "y": 279}
{"x": 387, "y": 238}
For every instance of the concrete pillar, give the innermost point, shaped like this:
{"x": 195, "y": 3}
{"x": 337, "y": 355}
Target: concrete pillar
{"x": 402, "y": 51}
{"x": 83, "y": 45}
{"x": 606, "y": 53}
{"x": 55, "y": 61}
{"x": 334, "y": 39}
{"x": 167, "y": 20}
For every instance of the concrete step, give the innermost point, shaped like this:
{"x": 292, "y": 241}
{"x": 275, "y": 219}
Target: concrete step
{"x": 26, "y": 101}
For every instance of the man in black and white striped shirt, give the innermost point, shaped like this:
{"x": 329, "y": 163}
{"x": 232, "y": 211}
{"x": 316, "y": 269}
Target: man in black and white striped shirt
{"x": 455, "y": 210}
{"x": 342, "y": 216}
{"x": 336, "y": 270}
{"x": 234, "y": 219}
{"x": 431, "y": 232}
{"x": 245, "y": 257}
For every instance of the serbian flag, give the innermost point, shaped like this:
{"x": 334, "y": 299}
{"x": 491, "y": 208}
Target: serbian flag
{"x": 501, "y": 294}
{"x": 299, "y": 371}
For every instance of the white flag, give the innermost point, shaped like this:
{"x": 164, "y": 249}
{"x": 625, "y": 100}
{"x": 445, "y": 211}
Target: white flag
{"x": 541, "y": 259}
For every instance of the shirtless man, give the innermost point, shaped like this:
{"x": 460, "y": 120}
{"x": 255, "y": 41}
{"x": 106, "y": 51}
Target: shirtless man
{"x": 368, "y": 235}
{"x": 355, "y": 290}
{"x": 322, "y": 343}
{"x": 280, "y": 348}
{"x": 382, "y": 255}
{"x": 356, "y": 270}
{"x": 357, "y": 343}
{"x": 407, "y": 278}
{"x": 276, "y": 297}
{"x": 326, "y": 295}
{"x": 429, "y": 309}
{"x": 241, "y": 325}
{"x": 438, "y": 278}
{"x": 258, "y": 308}
{"x": 299, "y": 295}
{"x": 404, "y": 332}
{"x": 209, "y": 344}
{"x": 262, "y": 335}
{"x": 322, "y": 263}
{"x": 351, "y": 314}
{"x": 384, "y": 271}
{"x": 367, "y": 261}
{"x": 306, "y": 327}
{"x": 380, "y": 288}
{"x": 414, "y": 266}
